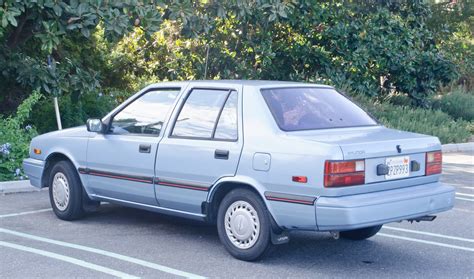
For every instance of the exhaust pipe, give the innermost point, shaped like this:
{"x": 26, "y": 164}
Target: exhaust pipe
{"x": 422, "y": 218}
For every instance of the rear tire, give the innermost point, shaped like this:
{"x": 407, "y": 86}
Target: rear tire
{"x": 361, "y": 234}
{"x": 65, "y": 191}
{"x": 243, "y": 225}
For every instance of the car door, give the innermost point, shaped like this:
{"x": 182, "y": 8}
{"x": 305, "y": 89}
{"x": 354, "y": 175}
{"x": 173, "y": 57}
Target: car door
{"x": 203, "y": 144}
{"x": 120, "y": 163}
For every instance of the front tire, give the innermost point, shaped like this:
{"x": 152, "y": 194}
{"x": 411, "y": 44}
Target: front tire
{"x": 361, "y": 234}
{"x": 65, "y": 191}
{"x": 243, "y": 225}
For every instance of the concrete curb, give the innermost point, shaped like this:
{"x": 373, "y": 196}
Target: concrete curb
{"x": 20, "y": 186}
{"x": 459, "y": 147}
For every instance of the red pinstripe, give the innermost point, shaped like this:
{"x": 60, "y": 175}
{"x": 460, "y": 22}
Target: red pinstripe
{"x": 121, "y": 177}
{"x": 183, "y": 186}
{"x": 290, "y": 200}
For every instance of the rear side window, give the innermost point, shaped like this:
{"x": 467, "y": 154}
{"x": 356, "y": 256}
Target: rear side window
{"x": 145, "y": 115}
{"x": 296, "y": 109}
{"x": 227, "y": 126}
{"x": 200, "y": 113}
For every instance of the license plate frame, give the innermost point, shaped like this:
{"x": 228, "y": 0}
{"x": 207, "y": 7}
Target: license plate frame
{"x": 398, "y": 167}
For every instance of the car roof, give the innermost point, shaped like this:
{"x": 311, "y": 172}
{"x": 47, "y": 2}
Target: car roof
{"x": 255, "y": 83}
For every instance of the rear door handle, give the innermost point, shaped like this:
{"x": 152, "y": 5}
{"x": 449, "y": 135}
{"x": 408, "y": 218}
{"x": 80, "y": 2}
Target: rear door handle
{"x": 144, "y": 148}
{"x": 221, "y": 154}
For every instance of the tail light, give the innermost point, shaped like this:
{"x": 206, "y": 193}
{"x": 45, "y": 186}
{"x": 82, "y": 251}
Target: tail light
{"x": 434, "y": 162}
{"x": 344, "y": 173}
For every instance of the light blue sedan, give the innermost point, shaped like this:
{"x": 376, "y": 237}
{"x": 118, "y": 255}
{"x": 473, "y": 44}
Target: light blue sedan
{"x": 258, "y": 158}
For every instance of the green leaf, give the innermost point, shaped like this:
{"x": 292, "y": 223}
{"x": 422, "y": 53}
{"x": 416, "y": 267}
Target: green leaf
{"x": 12, "y": 20}
{"x": 4, "y": 21}
{"x": 83, "y": 7}
{"x": 86, "y": 32}
{"x": 74, "y": 4}
{"x": 58, "y": 10}
{"x": 48, "y": 3}
{"x": 46, "y": 88}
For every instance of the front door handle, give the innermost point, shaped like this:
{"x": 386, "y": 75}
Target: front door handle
{"x": 144, "y": 148}
{"x": 221, "y": 154}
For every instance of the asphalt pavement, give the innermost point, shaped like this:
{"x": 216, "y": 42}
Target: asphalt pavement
{"x": 124, "y": 242}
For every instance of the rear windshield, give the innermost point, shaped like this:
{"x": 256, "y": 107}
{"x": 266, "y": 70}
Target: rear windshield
{"x": 309, "y": 108}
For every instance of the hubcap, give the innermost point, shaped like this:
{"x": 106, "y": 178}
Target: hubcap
{"x": 60, "y": 191}
{"x": 242, "y": 224}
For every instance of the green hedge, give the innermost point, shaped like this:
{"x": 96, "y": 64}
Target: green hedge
{"x": 458, "y": 104}
{"x": 418, "y": 120}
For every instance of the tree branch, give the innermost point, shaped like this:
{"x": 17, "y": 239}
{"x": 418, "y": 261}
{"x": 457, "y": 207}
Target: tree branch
{"x": 22, "y": 33}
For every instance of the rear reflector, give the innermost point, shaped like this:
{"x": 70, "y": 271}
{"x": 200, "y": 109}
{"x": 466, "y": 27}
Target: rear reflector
{"x": 344, "y": 173}
{"x": 434, "y": 162}
{"x": 300, "y": 179}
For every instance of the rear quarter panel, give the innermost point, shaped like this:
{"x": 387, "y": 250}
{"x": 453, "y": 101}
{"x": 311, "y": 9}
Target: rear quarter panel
{"x": 288, "y": 157}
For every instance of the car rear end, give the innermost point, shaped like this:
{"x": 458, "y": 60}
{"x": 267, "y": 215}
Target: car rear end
{"x": 385, "y": 176}
{"x": 381, "y": 175}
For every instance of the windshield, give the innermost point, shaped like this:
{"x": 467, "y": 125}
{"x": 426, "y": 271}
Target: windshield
{"x": 309, "y": 108}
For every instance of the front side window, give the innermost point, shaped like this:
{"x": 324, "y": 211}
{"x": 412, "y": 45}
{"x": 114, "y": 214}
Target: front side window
{"x": 208, "y": 114}
{"x": 308, "y": 108}
{"x": 145, "y": 115}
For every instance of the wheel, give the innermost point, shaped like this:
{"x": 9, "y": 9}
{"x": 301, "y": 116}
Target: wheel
{"x": 243, "y": 225}
{"x": 65, "y": 191}
{"x": 361, "y": 234}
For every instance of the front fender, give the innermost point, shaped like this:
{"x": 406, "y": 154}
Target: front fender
{"x": 76, "y": 161}
{"x": 65, "y": 153}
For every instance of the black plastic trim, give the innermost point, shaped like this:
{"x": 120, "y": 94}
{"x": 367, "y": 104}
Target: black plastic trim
{"x": 211, "y": 138}
{"x": 290, "y": 198}
{"x": 110, "y": 119}
{"x": 115, "y": 175}
{"x": 179, "y": 184}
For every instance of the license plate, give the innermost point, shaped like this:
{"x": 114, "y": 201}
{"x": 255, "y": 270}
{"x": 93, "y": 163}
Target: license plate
{"x": 398, "y": 167}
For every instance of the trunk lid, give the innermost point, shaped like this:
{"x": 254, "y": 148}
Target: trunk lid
{"x": 372, "y": 142}
{"x": 379, "y": 145}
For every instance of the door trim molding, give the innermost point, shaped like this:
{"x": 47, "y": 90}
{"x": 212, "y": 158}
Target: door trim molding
{"x": 283, "y": 197}
{"x": 182, "y": 184}
{"x": 146, "y": 179}
{"x": 115, "y": 175}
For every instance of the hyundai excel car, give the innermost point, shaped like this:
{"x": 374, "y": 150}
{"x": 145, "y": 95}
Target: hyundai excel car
{"x": 257, "y": 158}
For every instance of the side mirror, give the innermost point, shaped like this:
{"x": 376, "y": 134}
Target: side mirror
{"x": 95, "y": 125}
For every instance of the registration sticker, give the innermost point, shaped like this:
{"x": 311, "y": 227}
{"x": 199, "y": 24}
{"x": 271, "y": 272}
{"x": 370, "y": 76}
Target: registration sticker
{"x": 398, "y": 167}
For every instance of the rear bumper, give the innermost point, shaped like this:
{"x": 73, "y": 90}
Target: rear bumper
{"x": 34, "y": 169}
{"x": 364, "y": 210}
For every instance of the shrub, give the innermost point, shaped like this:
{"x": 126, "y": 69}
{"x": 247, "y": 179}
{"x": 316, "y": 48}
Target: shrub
{"x": 73, "y": 113}
{"x": 423, "y": 121}
{"x": 15, "y": 138}
{"x": 400, "y": 100}
{"x": 418, "y": 120}
{"x": 458, "y": 104}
